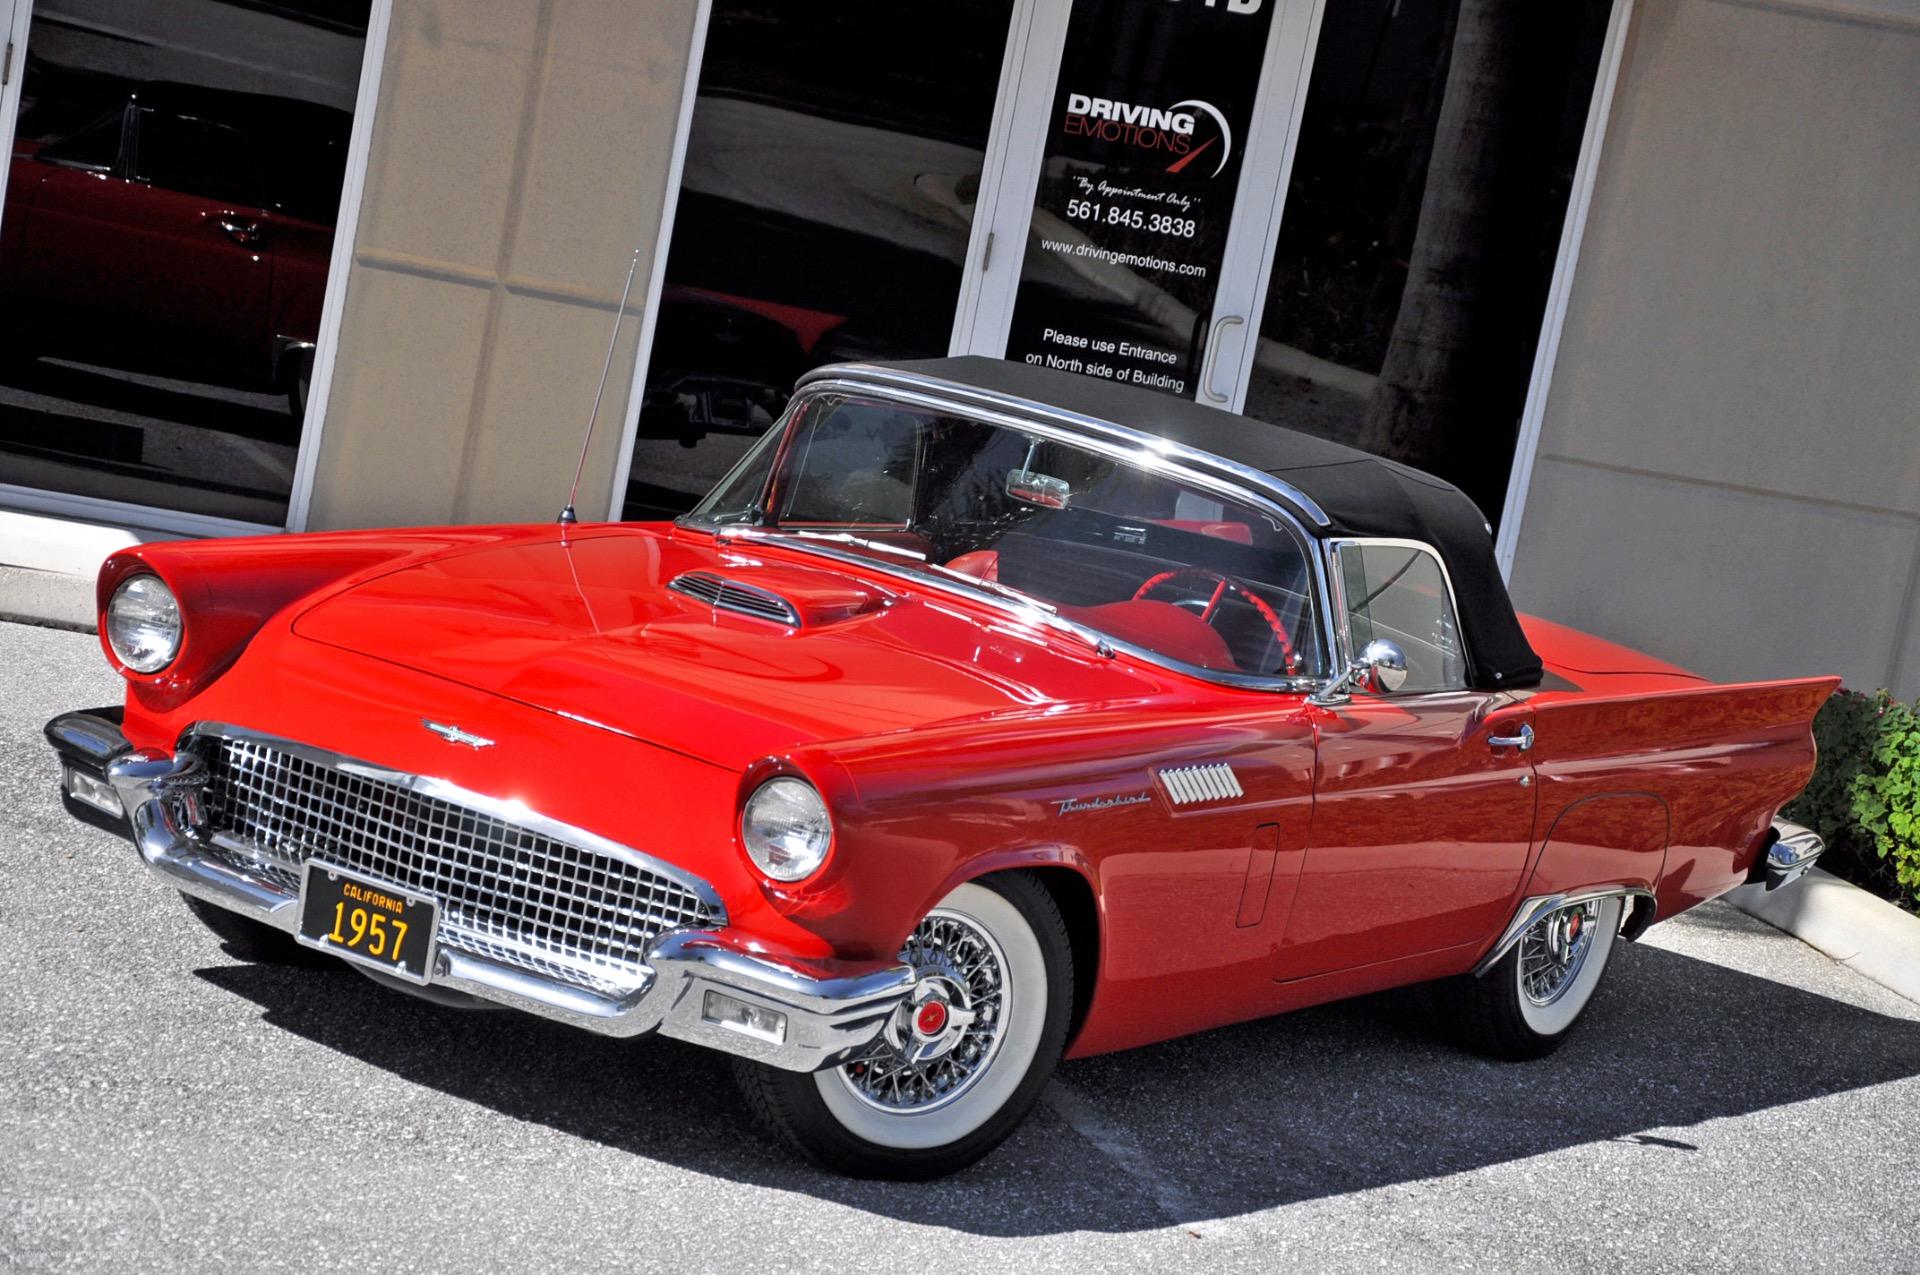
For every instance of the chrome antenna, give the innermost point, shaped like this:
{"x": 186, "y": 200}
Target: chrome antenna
{"x": 567, "y": 516}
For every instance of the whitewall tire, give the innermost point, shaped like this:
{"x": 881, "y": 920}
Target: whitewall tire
{"x": 1529, "y": 1002}
{"x": 958, "y": 1066}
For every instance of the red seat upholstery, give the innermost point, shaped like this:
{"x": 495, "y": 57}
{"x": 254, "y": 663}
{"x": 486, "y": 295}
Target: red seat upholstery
{"x": 981, "y": 564}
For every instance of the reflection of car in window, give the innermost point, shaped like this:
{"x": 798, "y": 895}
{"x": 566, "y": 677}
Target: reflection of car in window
{"x": 185, "y": 233}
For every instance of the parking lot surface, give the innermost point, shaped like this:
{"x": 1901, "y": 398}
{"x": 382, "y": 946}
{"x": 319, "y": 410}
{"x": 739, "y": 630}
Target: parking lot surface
{"x": 1734, "y": 1100}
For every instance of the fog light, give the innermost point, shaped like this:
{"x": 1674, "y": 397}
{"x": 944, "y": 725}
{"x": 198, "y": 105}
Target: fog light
{"x": 97, "y": 793}
{"x": 723, "y": 1010}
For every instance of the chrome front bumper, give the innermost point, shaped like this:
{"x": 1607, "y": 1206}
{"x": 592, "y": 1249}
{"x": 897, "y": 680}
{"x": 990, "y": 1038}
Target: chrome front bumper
{"x": 702, "y": 986}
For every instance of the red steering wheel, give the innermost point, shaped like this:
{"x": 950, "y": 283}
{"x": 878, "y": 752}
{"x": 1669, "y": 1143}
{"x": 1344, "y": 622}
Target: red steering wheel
{"x": 1220, "y": 586}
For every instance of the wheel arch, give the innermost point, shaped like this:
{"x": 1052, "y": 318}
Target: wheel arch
{"x": 1069, "y": 880}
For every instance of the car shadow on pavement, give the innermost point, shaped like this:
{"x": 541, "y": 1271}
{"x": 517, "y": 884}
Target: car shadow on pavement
{"x": 1322, "y": 1102}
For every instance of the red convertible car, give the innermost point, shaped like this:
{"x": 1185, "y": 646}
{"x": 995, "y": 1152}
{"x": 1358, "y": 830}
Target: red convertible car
{"x": 983, "y": 715}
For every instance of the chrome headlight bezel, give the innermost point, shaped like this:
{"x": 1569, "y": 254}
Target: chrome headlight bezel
{"x": 142, "y": 624}
{"x": 786, "y": 829}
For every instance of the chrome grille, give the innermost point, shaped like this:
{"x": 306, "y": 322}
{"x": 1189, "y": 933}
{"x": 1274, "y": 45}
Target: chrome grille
{"x": 507, "y": 892}
{"x": 730, "y": 595}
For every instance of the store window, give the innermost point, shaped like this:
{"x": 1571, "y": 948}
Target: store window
{"x": 1421, "y": 225}
{"x": 832, "y": 165}
{"x": 169, "y": 217}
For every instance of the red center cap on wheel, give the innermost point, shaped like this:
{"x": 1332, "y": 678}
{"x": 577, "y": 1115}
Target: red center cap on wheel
{"x": 1573, "y": 926}
{"x": 931, "y": 1017}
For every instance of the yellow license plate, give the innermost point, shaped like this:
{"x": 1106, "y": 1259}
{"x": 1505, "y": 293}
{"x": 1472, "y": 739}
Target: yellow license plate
{"x": 367, "y": 921}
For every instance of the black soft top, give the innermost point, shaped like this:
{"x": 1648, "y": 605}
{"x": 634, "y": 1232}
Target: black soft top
{"x": 1361, "y": 494}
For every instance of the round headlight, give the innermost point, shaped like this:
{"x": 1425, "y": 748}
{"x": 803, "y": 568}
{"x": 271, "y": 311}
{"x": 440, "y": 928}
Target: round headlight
{"x": 143, "y": 624}
{"x": 786, "y": 829}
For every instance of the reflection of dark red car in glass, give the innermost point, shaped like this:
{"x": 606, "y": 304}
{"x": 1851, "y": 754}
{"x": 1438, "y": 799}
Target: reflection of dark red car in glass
{"x": 184, "y": 233}
{"x": 725, "y": 364}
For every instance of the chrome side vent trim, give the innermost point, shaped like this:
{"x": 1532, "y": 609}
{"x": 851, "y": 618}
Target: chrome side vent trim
{"x": 723, "y": 594}
{"x": 1188, "y": 785}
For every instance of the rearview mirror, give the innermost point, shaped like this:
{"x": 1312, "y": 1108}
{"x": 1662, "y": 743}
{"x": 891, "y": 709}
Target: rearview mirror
{"x": 1039, "y": 489}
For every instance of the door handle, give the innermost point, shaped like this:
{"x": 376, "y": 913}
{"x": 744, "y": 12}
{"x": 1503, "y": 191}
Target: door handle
{"x": 1522, "y": 741}
{"x": 1213, "y": 354}
{"x": 243, "y": 232}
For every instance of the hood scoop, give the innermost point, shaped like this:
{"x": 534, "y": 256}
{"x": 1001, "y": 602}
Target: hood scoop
{"x": 792, "y": 597}
{"x": 723, "y": 594}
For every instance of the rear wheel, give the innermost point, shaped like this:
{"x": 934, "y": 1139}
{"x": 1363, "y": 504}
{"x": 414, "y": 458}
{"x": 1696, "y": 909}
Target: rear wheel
{"x": 251, "y": 940}
{"x": 1528, "y": 1003}
{"x": 960, "y": 1063}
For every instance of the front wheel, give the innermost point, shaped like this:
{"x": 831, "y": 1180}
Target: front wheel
{"x": 1528, "y": 1003}
{"x": 960, "y": 1064}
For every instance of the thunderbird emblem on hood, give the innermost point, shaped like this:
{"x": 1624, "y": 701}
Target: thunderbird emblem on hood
{"x": 454, "y": 735}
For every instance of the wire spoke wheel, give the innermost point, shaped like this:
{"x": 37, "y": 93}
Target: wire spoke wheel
{"x": 956, "y": 1066}
{"x": 945, "y": 1037}
{"x": 1555, "y": 948}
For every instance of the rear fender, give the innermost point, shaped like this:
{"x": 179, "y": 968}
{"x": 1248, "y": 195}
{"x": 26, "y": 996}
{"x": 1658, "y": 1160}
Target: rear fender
{"x": 1721, "y": 760}
{"x": 1612, "y": 839}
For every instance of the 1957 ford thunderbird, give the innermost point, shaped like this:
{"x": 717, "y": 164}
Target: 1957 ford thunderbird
{"x": 982, "y": 715}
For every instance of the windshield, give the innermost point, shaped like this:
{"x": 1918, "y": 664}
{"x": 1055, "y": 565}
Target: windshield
{"x": 1133, "y": 554}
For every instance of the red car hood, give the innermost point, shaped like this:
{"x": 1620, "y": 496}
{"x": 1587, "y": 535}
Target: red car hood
{"x": 588, "y": 628}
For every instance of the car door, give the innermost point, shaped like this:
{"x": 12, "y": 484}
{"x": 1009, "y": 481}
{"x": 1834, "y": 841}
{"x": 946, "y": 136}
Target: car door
{"x": 157, "y": 258}
{"x": 1423, "y": 796}
{"x": 193, "y": 257}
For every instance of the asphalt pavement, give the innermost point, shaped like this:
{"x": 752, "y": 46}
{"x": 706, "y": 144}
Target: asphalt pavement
{"x": 1733, "y": 1101}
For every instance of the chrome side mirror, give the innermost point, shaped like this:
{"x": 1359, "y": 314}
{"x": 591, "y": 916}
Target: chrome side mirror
{"x": 1380, "y": 668}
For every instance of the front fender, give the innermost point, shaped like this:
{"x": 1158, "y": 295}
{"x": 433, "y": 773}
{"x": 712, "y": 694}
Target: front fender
{"x": 228, "y": 589}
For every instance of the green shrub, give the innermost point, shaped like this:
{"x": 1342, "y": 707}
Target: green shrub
{"x": 1886, "y": 796}
{"x": 1846, "y": 731}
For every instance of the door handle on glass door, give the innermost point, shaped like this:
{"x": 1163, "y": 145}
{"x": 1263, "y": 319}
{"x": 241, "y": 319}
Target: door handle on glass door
{"x": 1213, "y": 356}
{"x": 1522, "y": 741}
{"x": 243, "y": 232}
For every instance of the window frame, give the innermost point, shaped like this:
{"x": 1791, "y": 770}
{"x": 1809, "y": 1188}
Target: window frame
{"x": 134, "y": 147}
{"x": 122, "y": 163}
{"x": 1336, "y": 577}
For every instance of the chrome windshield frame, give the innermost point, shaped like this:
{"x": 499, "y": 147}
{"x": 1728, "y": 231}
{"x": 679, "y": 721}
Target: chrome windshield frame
{"x": 1198, "y": 469}
{"x": 1142, "y": 447}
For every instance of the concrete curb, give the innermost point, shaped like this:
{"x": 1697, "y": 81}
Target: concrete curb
{"x": 1866, "y": 934}
{"x": 51, "y": 599}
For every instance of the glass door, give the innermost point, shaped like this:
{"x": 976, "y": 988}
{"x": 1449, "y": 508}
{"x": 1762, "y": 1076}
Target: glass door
{"x": 1137, "y": 189}
{"x": 171, "y": 197}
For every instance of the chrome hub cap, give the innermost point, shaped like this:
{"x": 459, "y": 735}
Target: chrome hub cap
{"x": 943, "y": 1038}
{"x": 1553, "y": 950}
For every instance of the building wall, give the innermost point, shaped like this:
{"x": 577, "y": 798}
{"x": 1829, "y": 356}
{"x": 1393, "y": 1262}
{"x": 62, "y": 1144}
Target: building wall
{"x": 520, "y": 153}
{"x": 1729, "y": 465}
